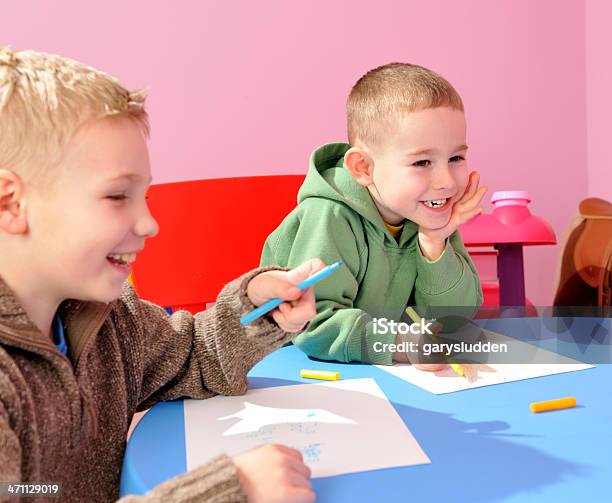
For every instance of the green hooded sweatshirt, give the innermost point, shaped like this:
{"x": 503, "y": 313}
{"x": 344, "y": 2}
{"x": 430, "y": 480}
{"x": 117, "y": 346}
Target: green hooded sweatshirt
{"x": 336, "y": 219}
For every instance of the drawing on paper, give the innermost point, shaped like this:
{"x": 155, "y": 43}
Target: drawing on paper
{"x": 254, "y": 417}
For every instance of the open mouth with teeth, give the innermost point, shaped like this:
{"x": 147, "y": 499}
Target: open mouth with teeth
{"x": 122, "y": 260}
{"x": 436, "y": 203}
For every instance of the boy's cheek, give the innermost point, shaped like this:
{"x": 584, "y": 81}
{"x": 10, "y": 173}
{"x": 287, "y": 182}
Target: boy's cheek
{"x": 462, "y": 183}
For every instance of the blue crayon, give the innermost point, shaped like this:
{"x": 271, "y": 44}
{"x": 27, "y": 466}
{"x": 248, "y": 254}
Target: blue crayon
{"x": 274, "y": 303}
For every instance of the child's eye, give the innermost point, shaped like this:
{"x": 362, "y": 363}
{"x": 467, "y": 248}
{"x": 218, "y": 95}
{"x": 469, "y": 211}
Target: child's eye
{"x": 457, "y": 158}
{"x": 422, "y": 164}
{"x": 117, "y": 197}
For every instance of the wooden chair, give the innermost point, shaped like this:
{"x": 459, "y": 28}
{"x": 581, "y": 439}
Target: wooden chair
{"x": 585, "y": 276}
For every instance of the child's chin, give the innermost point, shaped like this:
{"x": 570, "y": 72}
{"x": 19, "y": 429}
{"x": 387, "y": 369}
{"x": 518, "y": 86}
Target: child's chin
{"x": 109, "y": 298}
{"x": 105, "y": 296}
{"x": 111, "y": 295}
{"x": 434, "y": 224}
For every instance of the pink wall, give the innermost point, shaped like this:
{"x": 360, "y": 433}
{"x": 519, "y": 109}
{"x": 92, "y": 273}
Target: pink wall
{"x": 241, "y": 88}
{"x": 599, "y": 98}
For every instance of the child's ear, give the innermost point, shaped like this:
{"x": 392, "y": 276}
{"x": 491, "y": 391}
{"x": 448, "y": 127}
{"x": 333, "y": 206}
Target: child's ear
{"x": 12, "y": 203}
{"x": 360, "y": 165}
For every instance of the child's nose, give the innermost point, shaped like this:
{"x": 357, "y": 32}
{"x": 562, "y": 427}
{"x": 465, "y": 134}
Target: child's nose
{"x": 146, "y": 226}
{"x": 443, "y": 178}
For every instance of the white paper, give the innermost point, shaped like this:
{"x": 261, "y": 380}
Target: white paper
{"x": 448, "y": 381}
{"x": 336, "y": 425}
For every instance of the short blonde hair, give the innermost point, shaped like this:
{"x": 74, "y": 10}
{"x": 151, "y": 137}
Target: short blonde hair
{"x": 387, "y": 91}
{"x": 45, "y": 99}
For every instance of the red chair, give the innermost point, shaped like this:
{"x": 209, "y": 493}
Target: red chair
{"x": 211, "y": 231}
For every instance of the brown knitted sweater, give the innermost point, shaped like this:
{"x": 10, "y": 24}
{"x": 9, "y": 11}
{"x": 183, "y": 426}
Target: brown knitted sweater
{"x": 65, "y": 419}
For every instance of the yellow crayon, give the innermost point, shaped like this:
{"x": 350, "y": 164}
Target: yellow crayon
{"x": 413, "y": 314}
{"x": 559, "y": 403}
{"x": 458, "y": 369}
{"x": 325, "y": 375}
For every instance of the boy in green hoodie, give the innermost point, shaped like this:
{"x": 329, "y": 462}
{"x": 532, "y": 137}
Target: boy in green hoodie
{"x": 387, "y": 204}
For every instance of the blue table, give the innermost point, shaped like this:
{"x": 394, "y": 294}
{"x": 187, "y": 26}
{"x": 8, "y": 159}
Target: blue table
{"x": 484, "y": 444}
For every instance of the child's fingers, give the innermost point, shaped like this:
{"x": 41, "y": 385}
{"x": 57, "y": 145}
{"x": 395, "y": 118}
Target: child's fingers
{"x": 286, "y": 310}
{"x": 283, "y": 285}
{"x": 474, "y": 201}
{"x": 271, "y": 285}
{"x": 303, "y": 271}
{"x": 477, "y": 197}
{"x": 298, "y": 480}
{"x": 475, "y": 180}
{"x": 468, "y": 215}
{"x": 303, "y": 311}
{"x": 282, "y": 322}
{"x": 294, "y": 453}
{"x": 437, "y": 327}
{"x": 292, "y": 316}
{"x": 299, "y": 467}
{"x": 471, "y": 187}
{"x": 430, "y": 367}
{"x": 302, "y": 495}
{"x": 468, "y": 206}
{"x": 297, "y": 312}
{"x": 287, "y": 321}
{"x": 307, "y": 298}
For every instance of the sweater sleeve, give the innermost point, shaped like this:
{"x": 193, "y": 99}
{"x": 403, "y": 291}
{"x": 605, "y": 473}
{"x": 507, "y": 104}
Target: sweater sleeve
{"x": 187, "y": 356}
{"x": 215, "y": 482}
{"x": 198, "y": 356}
{"x": 339, "y": 331}
{"x": 450, "y": 283}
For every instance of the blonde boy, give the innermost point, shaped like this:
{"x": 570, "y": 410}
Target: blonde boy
{"x": 79, "y": 352}
{"x": 388, "y": 204}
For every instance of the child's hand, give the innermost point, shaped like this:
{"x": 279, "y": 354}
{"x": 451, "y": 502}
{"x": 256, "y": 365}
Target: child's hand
{"x": 293, "y": 315}
{"x": 432, "y": 241}
{"x": 436, "y": 328}
{"x": 274, "y": 474}
{"x": 430, "y": 367}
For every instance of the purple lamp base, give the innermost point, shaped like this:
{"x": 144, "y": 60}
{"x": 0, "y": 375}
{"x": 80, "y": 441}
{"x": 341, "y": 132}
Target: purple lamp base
{"x": 511, "y": 274}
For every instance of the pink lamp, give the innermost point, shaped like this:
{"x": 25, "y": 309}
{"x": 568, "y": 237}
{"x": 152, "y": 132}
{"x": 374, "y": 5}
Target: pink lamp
{"x": 508, "y": 228}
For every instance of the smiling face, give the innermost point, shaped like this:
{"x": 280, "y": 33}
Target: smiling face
{"x": 420, "y": 170}
{"x": 85, "y": 227}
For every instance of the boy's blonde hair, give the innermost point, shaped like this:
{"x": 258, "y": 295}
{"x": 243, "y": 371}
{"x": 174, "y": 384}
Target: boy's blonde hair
{"x": 45, "y": 99}
{"x": 387, "y": 91}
